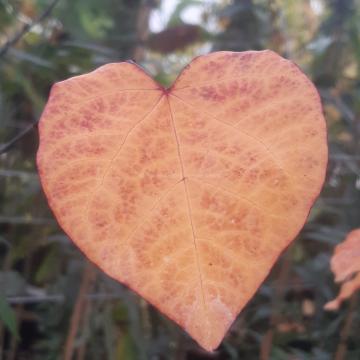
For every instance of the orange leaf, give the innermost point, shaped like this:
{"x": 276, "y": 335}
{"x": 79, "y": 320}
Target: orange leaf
{"x": 187, "y": 195}
{"x": 344, "y": 264}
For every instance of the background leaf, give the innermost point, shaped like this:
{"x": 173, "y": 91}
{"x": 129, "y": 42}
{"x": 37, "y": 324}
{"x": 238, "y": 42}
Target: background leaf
{"x": 7, "y": 317}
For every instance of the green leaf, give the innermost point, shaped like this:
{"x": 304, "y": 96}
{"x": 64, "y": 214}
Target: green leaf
{"x": 7, "y": 317}
{"x": 126, "y": 348}
{"x": 48, "y": 267}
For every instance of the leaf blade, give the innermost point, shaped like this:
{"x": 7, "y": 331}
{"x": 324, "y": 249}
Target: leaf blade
{"x": 184, "y": 194}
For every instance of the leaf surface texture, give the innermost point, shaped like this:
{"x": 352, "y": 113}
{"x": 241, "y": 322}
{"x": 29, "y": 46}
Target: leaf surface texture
{"x": 187, "y": 195}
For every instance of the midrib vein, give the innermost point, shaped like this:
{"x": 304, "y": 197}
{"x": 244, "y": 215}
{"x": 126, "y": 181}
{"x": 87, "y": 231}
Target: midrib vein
{"x": 188, "y": 207}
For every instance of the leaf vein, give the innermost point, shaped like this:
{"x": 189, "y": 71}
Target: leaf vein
{"x": 189, "y": 209}
{"x": 274, "y": 157}
{"x": 117, "y": 153}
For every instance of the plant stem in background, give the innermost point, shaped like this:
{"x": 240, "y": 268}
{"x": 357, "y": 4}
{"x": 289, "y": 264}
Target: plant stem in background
{"x": 345, "y": 331}
{"x": 5, "y": 147}
{"x": 26, "y": 28}
{"x": 88, "y": 279}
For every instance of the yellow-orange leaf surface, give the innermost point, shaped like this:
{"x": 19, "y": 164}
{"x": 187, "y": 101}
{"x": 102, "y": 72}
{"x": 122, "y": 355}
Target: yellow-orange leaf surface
{"x": 345, "y": 264}
{"x": 187, "y": 195}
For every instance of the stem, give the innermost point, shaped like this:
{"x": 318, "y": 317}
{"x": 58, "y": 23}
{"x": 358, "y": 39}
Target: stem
{"x": 26, "y": 28}
{"x": 5, "y": 267}
{"x": 5, "y": 147}
{"x": 88, "y": 278}
{"x": 345, "y": 331}
{"x": 142, "y": 30}
{"x": 81, "y": 352}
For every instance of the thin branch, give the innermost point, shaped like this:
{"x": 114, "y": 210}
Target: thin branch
{"x": 87, "y": 281}
{"x": 60, "y": 298}
{"x": 81, "y": 352}
{"x": 24, "y": 175}
{"x": 26, "y": 220}
{"x": 27, "y": 27}
{"x": 4, "y": 148}
{"x": 142, "y": 29}
{"x": 345, "y": 331}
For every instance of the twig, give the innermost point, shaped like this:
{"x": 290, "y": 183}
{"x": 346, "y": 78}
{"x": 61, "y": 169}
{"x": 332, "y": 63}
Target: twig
{"x": 27, "y": 27}
{"x": 24, "y": 175}
{"x": 81, "y": 353}
{"x": 60, "y": 298}
{"x": 345, "y": 331}
{"x": 26, "y": 220}
{"x": 88, "y": 278}
{"x": 142, "y": 29}
{"x": 4, "y": 148}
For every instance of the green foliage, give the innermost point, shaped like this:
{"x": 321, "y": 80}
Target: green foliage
{"x": 7, "y": 317}
{"x": 125, "y": 348}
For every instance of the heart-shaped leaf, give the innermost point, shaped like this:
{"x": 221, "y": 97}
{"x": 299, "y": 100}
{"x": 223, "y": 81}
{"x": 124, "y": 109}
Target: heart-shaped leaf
{"x": 187, "y": 195}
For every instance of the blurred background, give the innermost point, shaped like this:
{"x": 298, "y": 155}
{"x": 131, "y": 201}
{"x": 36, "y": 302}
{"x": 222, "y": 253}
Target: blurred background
{"x": 53, "y": 303}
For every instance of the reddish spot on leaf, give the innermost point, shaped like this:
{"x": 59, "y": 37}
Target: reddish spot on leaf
{"x": 188, "y": 195}
{"x": 345, "y": 265}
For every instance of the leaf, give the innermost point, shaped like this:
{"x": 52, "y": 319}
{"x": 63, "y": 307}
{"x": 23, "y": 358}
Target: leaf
{"x": 48, "y": 266}
{"x": 7, "y": 316}
{"x": 188, "y": 195}
{"x": 125, "y": 348}
{"x": 345, "y": 264}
